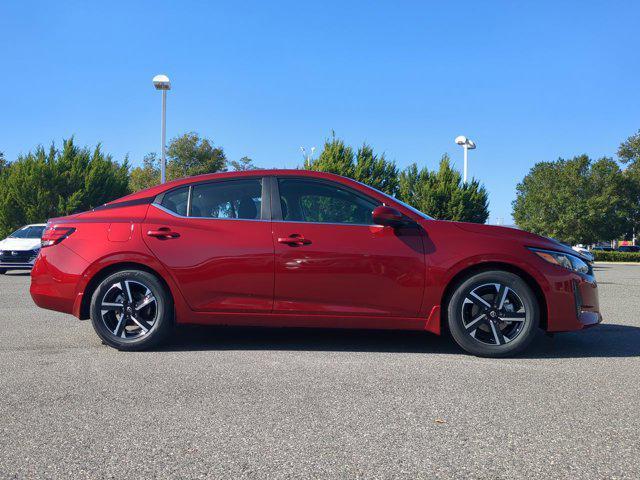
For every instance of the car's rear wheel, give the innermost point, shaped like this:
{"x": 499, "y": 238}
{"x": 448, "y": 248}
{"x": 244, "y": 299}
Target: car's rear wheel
{"x": 3, "y": 271}
{"x": 493, "y": 314}
{"x": 132, "y": 310}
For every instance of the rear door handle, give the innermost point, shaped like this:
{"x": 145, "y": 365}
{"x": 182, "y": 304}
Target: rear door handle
{"x": 294, "y": 239}
{"x": 163, "y": 232}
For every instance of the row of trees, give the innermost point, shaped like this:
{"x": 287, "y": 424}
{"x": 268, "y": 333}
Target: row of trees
{"x": 440, "y": 193}
{"x": 581, "y": 200}
{"x": 59, "y": 181}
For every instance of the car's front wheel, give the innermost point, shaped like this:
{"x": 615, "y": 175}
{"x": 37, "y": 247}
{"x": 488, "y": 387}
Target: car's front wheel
{"x": 3, "y": 271}
{"x": 493, "y": 314}
{"x": 132, "y": 310}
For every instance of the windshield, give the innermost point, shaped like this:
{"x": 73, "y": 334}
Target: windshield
{"x": 28, "y": 232}
{"x": 414, "y": 210}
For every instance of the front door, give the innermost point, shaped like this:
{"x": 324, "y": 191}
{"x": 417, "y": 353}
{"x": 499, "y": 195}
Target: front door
{"x": 330, "y": 259}
{"x": 213, "y": 240}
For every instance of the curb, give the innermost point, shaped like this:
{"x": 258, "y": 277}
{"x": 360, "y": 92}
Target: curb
{"x": 616, "y": 263}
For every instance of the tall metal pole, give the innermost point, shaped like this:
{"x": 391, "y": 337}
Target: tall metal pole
{"x": 466, "y": 149}
{"x": 163, "y": 161}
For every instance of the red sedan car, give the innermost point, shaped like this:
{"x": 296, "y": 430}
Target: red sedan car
{"x": 304, "y": 249}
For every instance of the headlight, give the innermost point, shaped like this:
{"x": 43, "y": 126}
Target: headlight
{"x": 566, "y": 260}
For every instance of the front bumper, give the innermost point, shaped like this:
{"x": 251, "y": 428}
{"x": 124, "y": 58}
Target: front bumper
{"x": 573, "y": 304}
{"x": 18, "y": 259}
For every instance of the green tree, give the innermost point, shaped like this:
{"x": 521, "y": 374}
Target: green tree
{"x": 442, "y": 193}
{"x": 575, "y": 200}
{"x": 375, "y": 170}
{"x": 336, "y": 157}
{"x": 187, "y": 155}
{"x": 146, "y": 176}
{"x": 245, "y": 163}
{"x": 629, "y": 153}
{"x": 365, "y": 166}
{"x": 629, "y": 150}
{"x": 50, "y": 183}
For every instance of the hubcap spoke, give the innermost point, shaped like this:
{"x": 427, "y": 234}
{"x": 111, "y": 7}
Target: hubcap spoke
{"x": 119, "y": 330}
{"x": 501, "y": 296}
{"x": 147, "y": 300}
{"x": 479, "y": 301}
{"x": 107, "y": 306}
{"x": 475, "y": 323}
{"x": 127, "y": 290}
{"x": 513, "y": 316}
{"x": 141, "y": 323}
{"x": 497, "y": 334}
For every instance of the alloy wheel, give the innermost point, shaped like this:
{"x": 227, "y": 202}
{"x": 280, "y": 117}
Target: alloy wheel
{"x": 493, "y": 314}
{"x": 129, "y": 309}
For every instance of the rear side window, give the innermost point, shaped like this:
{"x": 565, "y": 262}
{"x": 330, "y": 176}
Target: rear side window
{"x": 176, "y": 200}
{"x": 319, "y": 202}
{"x": 236, "y": 199}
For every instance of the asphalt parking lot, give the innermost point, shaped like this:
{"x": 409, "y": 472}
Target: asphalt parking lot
{"x": 270, "y": 403}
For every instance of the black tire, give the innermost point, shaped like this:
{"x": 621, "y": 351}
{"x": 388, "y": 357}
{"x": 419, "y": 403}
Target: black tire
{"x": 489, "y": 322}
{"x": 132, "y": 310}
{"x": 3, "y": 271}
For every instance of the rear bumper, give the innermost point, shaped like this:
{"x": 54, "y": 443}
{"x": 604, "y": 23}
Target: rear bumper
{"x": 55, "y": 277}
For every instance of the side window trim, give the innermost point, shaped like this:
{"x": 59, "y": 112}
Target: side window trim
{"x": 276, "y": 209}
{"x": 265, "y": 200}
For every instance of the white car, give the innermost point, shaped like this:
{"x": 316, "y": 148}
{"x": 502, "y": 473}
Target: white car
{"x": 584, "y": 252}
{"x": 19, "y": 250}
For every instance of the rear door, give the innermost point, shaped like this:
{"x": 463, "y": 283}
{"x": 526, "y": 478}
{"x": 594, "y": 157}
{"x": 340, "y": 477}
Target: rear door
{"x": 215, "y": 239}
{"x": 331, "y": 259}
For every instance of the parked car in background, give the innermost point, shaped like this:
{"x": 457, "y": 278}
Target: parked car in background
{"x": 298, "y": 248}
{"x": 629, "y": 248}
{"x": 584, "y": 252}
{"x": 19, "y": 250}
{"x": 603, "y": 249}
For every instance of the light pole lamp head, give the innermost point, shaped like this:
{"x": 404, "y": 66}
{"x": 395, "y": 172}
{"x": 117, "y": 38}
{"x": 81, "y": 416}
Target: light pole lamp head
{"x": 161, "y": 82}
{"x": 471, "y": 144}
{"x": 461, "y": 140}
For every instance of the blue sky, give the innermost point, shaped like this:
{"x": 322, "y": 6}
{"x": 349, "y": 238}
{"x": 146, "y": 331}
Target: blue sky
{"x": 526, "y": 82}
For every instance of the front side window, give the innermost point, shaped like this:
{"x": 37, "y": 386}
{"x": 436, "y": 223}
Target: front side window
{"x": 235, "y": 199}
{"x": 176, "y": 200}
{"x": 304, "y": 200}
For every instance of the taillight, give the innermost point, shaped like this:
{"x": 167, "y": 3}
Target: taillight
{"x": 54, "y": 235}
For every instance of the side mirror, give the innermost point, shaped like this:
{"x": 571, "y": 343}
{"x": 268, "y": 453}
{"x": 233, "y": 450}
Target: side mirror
{"x": 389, "y": 217}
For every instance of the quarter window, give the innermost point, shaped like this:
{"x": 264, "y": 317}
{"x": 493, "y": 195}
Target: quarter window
{"x": 236, "y": 199}
{"x": 176, "y": 200}
{"x": 312, "y": 201}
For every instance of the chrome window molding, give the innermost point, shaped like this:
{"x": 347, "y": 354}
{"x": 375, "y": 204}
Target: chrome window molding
{"x": 177, "y": 215}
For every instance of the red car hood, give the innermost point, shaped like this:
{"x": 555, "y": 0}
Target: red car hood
{"x": 526, "y": 238}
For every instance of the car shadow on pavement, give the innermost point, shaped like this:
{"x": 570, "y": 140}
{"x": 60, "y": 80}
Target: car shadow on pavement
{"x": 607, "y": 340}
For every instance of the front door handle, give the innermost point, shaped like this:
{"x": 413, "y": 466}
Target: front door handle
{"x": 294, "y": 239}
{"x": 163, "y": 233}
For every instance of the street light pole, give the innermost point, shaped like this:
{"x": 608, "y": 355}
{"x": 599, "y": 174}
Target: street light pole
{"x": 163, "y": 161}
{"x": 466, "y": 155}
{"x": 466, "y": 145}
{"x": 161, "y": 82}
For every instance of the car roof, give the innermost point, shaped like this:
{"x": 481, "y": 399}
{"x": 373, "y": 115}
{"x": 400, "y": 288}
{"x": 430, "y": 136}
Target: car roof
{"x": 156, "y": 190}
